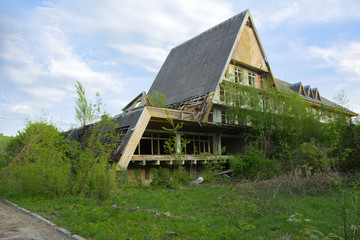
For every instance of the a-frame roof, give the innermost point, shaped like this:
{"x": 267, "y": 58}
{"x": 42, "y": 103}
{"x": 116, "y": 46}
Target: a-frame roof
{"x": 196, "y": 66}
{"x": 308, "y": 91}
{"x": 316, "y": 99}
{"x": 140, "y": 101}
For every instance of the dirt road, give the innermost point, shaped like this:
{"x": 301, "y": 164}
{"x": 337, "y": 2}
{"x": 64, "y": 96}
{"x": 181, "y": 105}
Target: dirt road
{"x": 16, "y": 224}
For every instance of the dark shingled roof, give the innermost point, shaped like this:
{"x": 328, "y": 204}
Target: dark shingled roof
{"x": 195, "y": 67}
{"x": 296, "y": 88}
{"x": 127, "y": 119}
{"x": 314, "y": 91}
{"x": 307, "y": 88}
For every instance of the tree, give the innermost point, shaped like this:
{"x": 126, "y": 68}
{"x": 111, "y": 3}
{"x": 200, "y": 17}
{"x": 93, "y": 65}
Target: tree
{"x": 86, "y": 112}
{"x": 341, "y": 98}
{"x": 276, "y": 117}
{"x": 158, "y": 99}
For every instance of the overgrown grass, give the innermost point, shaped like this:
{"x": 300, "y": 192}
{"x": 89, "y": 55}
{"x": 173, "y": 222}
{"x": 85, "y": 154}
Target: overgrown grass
{"x": 228, "y": 211}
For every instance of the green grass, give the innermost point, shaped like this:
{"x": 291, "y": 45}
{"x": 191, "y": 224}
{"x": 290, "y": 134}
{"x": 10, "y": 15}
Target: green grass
{"x": 198, "y": 212}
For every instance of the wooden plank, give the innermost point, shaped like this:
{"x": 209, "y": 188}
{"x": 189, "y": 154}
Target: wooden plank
{"x": 169, "y": 113}
{"x": 170, "y": 158}
{"x": 134, "y": 139}
{"x": 249, "y": 51}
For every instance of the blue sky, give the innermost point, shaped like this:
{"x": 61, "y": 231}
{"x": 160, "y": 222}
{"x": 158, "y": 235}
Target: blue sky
{"x": 117, "y": 48}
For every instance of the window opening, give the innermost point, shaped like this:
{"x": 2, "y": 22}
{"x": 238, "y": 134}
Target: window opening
{"x": 251, "y": 78}
{"x": 222, "y": 94}
{"x": 238, "y": 74}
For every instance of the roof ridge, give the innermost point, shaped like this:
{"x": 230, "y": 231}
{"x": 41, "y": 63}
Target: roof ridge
{"x": 210, "y": 29}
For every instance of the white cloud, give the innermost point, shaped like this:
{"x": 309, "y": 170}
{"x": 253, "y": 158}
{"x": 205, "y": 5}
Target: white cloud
{"x": 142, "y": 30}
{"x": 285, "y": 13}
{"x": 45, "y": 66}
{"x": 144, "y": 55}
{"x": 303, "y": 12}
{"x": 343, "y": 57}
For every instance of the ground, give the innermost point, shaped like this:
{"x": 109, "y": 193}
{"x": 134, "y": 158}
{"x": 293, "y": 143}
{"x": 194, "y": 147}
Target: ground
{"x": 16, "y": 224}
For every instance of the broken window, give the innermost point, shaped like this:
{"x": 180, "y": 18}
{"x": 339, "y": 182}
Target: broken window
{"x": 222, "y": 94}
{"x": 211, "y": 116}
{"x": 152, "y": 144}
{"x": 251, "y": 78}
{"x": 198, "y": 144}
{"x": 238, "y": 75}
{"x": 262, "y": 82}
{"x": 223, "y": 116}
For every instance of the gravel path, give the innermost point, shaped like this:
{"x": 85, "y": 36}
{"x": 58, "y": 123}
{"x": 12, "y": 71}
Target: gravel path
{"x": 17, "y": 224}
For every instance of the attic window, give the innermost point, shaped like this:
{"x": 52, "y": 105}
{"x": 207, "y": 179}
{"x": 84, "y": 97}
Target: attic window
{"x": 251, "y": 77}
{"x": 262, "y": 82}
{"x": 248, "y": 23}
{"x": 238, "y": 74}
{"x": 222, "y": 94}
{"x": 137, "y": 104}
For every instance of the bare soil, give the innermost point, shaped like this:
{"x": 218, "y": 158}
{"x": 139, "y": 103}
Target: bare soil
{"x": 16, "y": 224}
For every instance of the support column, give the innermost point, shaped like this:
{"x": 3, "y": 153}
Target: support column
{"x": 217, "y": 143}
{"x": 178, "y": 142}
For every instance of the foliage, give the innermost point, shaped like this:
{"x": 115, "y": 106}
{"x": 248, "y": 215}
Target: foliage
{"x": 228, "y": 211}
{"x": 39, "y": 164}
{"x": 41, "y": 161}
{"x": 175, "y": 147}
{"x": 86, "y": 112}
{"x": 164, "y": 177}
{"x": 346, "y": 147}
{"x": 5, "y": 142}
{"x": 350, "y": 200}
{"x": 276, "y": 118}
{"x": 158, "y": 99}
{"x": 308, "y": 231}
{"x": 286, "y": 127}
{"x": 315, "y": 157}
{"x": 254, "y": 164}
{"x": 214, "y": 166}
{"x": 94, "y": 176}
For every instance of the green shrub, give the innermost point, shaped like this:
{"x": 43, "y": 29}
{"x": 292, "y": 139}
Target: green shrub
{"x": 158, "y": 99}
{"x": 254, "y": 164}
{"x": 162, "y": 177}
{"x": 308, "y": 153}
{"x": 93, "y": 174}
{"x": 165, "y": 178}
{"x": 38, "y": 163}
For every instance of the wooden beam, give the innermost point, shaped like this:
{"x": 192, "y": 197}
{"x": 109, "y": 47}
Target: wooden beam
{"x": 135, "y": 137}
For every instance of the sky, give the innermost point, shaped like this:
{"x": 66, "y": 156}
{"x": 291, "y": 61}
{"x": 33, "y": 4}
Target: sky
{"x": 116, "y": 48}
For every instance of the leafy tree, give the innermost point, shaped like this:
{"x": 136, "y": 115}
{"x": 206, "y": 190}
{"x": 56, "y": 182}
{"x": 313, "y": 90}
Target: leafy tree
{"x": 284, "y": 126}
{"x": 86, "y": 112}
{"x": 341, "y": 98}
{"x": 158, "y": 99}
{"x": 94, "y": 175}
{"x": 276, "y": 117}
{"x": 39, "y": 162}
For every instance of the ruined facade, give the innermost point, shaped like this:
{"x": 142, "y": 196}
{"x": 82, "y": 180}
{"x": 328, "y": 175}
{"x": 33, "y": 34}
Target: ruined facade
{"x": 190, "y": 79}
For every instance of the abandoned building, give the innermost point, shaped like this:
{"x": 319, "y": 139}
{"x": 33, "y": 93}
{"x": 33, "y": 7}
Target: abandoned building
{"x": 190, "y": 78}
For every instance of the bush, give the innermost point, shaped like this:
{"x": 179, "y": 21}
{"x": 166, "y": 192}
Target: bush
{"x": 254, "y": 164}
{"x": 38, "y": 163}
{"x": 314, "y": 156}
{"x": 163, "y": 177}
{"x": 43, "y": 162}
{"x": 93, "y": 174}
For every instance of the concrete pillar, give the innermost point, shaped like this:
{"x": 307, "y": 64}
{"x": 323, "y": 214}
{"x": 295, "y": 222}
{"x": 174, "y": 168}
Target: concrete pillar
{"x": 217, "y": 143}
{"x": 178, "y": 142}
